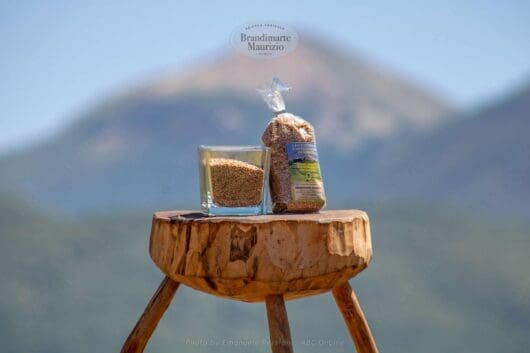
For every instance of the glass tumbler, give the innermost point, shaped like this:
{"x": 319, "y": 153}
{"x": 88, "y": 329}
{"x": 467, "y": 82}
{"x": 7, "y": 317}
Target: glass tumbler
{"x": 234, "y": 180}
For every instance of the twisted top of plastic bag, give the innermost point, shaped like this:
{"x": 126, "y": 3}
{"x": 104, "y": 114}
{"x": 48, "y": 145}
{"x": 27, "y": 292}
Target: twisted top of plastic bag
{"x": 271, "y": 92}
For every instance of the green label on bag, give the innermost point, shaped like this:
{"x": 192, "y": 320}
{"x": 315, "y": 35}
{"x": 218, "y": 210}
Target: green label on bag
{"x": 306, "y": 181}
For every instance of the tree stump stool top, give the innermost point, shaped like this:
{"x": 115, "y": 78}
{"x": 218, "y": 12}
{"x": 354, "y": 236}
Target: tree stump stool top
{"x": 250, "y": 258}
{"x": 260, "y": 258}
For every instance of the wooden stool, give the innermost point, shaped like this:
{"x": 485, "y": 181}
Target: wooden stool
{"x": 260, "y": 258}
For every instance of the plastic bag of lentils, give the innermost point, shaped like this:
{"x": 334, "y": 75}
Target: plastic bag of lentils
{"x": 295, "y": 177}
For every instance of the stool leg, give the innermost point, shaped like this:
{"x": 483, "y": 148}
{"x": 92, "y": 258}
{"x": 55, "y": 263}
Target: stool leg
{"x": 353, "y": 316}
{"x": 279, "y": 332}
{"x": 146, "y": 325}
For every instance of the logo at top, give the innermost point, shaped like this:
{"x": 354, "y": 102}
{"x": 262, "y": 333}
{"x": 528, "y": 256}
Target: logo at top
{"x": 264, "y": 39}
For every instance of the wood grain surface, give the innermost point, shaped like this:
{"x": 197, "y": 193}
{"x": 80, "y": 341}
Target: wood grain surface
{"x": 354, "y": 318}
{"x": 279, "y": 332}
{"x": 248, "y": 258}
{"x": 152, "y": 314}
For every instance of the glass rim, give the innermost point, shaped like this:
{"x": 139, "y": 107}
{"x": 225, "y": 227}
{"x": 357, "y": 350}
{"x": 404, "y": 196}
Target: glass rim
{"x": 233, "y": 148}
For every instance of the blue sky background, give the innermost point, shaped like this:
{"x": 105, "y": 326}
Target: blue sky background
{"x": 58, "y": 57}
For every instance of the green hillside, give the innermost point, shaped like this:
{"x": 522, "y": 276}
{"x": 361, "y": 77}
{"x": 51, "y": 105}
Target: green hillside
{"x": 439, "y": 281}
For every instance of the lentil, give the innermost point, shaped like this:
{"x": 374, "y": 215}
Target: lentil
{"x": 235, "y": 183}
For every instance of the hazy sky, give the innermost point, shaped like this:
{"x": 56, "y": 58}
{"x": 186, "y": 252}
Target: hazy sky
{"x": 58, "y": 57}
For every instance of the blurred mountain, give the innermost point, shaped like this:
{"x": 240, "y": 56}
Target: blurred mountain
{"x": 480, "y": 161}
{"x": 350, "y": 100}
{"x": 138, "y": 149}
